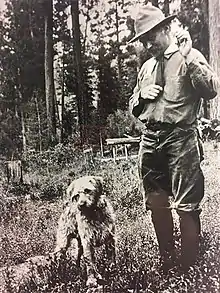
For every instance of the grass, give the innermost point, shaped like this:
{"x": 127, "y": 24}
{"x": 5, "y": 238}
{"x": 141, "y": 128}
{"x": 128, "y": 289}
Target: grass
{"x": 27, "y": 228}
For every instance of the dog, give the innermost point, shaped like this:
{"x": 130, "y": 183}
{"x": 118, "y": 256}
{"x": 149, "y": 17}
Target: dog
{"x": 89, "y": 219}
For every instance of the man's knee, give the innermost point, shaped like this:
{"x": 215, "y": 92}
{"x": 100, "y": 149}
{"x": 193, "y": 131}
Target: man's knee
{"x": 195, "y": 215}
{"x": 156, "y": 199}
{"x": 187, "y": 218}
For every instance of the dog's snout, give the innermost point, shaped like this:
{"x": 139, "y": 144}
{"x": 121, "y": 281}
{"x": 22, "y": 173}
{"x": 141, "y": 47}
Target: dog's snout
{"x": 81, "y": 203}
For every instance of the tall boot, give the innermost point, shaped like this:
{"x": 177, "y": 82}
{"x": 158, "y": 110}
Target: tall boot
{"x": 163, "y": 225}
{"x": 190, "y": 229}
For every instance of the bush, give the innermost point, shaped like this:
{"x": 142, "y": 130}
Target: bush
{"x": 54, "y": 160}
{"x": 122, "y": 122}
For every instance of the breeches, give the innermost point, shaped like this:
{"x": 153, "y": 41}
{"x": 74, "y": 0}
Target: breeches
{"x": 169, "y": 165}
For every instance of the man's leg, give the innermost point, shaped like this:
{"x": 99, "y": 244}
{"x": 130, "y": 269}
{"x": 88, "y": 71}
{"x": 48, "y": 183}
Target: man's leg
{"x": 190, "y": 235}
{"x": 155, "y": 187}
{"x": 188, "y": 190}
{"x": 163, "y": 224}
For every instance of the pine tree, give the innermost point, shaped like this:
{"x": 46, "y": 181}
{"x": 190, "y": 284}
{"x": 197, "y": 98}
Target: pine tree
{"x": 22, "y": 64}
{"x": 107, "y": 87}
{"x": 49, "y": 70}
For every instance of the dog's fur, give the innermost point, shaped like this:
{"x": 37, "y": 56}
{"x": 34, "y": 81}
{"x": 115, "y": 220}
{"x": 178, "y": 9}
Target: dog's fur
{"x": 89, "y": 219}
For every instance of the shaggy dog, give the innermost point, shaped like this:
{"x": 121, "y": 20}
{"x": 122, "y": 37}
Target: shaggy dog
{"x": 89, "y": 219}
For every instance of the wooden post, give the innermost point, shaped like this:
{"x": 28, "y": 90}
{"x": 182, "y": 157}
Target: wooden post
{"x": 114, "y": 152}
{"x": 88, "y": 154}
{"x": 101, "y": 145}
{"x": 126, "y": 152}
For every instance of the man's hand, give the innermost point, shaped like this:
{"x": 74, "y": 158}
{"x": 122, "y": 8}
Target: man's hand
{"x": 184, "y": 42}
{"x": 150, "y": 92}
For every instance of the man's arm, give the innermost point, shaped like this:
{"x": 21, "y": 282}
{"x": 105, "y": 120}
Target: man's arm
{"x": 143, "y": 94}
{"x": 136, "y": 103}
{"x": 203, "y": 78}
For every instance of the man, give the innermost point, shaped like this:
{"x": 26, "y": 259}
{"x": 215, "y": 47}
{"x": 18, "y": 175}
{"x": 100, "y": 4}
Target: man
{"x": 167, "y": 97}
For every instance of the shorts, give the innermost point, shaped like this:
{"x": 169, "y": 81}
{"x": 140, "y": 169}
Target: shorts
{"x": 169, "y": 160}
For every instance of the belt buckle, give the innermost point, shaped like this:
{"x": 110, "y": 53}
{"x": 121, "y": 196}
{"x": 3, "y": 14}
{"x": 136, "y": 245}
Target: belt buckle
{"x": 154, "y": 126}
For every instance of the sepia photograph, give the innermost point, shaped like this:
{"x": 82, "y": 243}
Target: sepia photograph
{"x": 109, "y": 146}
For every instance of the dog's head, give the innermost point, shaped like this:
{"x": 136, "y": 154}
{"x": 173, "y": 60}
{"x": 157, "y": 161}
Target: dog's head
{"x": 85, "y": 192}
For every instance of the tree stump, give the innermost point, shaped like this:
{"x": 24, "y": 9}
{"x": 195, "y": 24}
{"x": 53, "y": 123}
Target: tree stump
{"x": 14, "y": 171}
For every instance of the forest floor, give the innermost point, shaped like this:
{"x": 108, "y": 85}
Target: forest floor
{"x": 28, "y": 228}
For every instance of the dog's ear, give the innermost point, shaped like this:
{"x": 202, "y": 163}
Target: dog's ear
{"x": 99, "y": 179}
{"x": 99, "y": 183}
{"x": 69, "y": 191}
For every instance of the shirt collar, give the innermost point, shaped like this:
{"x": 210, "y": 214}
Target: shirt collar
{"x": 173, "y": 48}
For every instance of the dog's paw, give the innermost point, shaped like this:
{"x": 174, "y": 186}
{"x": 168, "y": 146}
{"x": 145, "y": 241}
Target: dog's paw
{"x": 91, "y": 282}
{"x": 100, "y": 279}
{"x": 98, "y": 289}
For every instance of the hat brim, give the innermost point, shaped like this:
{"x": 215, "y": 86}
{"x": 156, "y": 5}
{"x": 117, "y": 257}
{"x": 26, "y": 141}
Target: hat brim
{"x": 165, "y": 20}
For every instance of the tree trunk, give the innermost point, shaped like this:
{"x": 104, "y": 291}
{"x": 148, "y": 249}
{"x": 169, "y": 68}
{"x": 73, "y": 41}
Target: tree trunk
{"x": 166, "y": 7}
{"x": 78, "y": 59}
{"x": 49, "y": 74}
{"x": 23, "y": 130}
{"x": 39, "y": 123}
{"x": 214, "y": 45}
{"x": 118, "y": 44}
{"x": 62, "y": 99}
{"x": 86, "y": 30}
{"x": 155, "y": 3}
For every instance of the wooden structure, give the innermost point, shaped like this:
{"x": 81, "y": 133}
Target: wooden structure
{"x": 122, "y": 145}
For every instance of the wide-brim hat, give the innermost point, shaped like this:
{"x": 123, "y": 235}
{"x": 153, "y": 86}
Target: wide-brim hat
{"x": 147, "y": 18}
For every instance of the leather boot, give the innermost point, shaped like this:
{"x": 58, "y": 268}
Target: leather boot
{"x": 163, "y": 225}
{"x": 190, "y": 229}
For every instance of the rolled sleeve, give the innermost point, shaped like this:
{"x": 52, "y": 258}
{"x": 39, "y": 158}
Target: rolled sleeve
{"x": 136, "y": 103}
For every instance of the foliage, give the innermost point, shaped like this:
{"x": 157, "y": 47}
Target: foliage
{"x": 122, "y": 122}
{"x": 10, "y": 141}
{"x": 28, "y": 225}
{"x": 21, "y": 60}
{"x": 107, "y": 87}
{"x": 194, "y": 15}
{"x": 109, "y": 65}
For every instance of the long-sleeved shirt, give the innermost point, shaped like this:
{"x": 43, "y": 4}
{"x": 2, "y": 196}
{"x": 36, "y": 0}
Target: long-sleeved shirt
{"x": 185, "y": 85}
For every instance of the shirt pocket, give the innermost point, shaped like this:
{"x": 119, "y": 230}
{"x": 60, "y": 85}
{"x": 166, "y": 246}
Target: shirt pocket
{"x": 175, "y": 88}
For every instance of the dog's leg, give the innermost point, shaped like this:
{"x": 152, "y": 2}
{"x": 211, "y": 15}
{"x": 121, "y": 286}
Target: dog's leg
{"x": 110, "y": 251}
{"x": 63, "y": 242}
{"x": 88, "y": 253}
{"x": 64, "y": 235}
{"x": 79, "y": 251}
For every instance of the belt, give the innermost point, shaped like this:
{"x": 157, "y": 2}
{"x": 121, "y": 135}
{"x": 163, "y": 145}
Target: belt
{"x": 166, "y": 126}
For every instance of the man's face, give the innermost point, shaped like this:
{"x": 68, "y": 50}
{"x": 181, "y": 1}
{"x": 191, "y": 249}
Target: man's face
{"x": 155, "y": 41}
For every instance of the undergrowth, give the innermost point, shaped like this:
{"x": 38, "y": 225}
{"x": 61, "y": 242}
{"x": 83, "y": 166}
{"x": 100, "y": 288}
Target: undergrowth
{"x": 28, "y": 225}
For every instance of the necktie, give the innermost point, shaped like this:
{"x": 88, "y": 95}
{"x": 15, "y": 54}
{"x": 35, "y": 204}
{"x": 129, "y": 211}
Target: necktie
{"x": 159, "y": 79}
